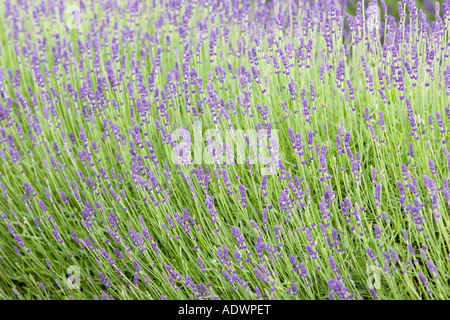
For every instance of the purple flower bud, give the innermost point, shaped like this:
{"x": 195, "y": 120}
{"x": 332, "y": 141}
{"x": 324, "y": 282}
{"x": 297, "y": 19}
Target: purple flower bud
{"x": 239, "y": 237}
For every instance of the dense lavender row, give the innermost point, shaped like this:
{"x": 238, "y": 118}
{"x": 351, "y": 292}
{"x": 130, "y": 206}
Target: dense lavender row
{"x": 342, "y": 194}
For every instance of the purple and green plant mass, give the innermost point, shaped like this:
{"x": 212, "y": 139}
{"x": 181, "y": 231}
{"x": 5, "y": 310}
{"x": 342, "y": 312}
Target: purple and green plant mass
{"x": 226, "y": 149}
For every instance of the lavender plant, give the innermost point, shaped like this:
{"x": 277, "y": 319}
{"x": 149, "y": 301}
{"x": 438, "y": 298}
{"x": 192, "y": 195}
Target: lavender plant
{"x": 224, "y": 150}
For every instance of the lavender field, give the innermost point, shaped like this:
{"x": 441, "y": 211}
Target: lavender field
{"x": 234, "y": 149}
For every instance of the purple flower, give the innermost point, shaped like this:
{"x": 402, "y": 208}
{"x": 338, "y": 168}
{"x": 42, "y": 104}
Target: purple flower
{"x": 243, "y": 196}
{"x": 201, "y": 265}
{"x": 374, "y": 293}
{"x": 423, "y": 279}
{"x": 42, "y": 205}
{"x": 411, "y": 249}
{"x": 291, "y": 90}
{"x": 377, "y": 230}
{"x": 311, "y": 252}
{"x": 339, "y": 289}
{"x": 371, "y": 254}
{"x": 277, "y": 232}
{"x": 394, "y": 254}
{"x": 239, "y": 237}
{"x": 433, "y": 269}
{"x": 103, "y": 279}
{"x": 377, "y": 194}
